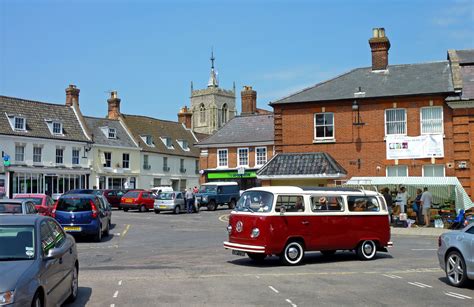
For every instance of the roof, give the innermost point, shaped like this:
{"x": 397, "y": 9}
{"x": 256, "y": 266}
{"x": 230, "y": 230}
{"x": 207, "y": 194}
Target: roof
{"x": 243, "y": 129}
{"x": 466, "y": 56}
{"x": 467, "y": 75}
{"x": 97, "y": 125}
{"x": 397, "y": 80}
{"x": 301, "y": 165}
{"x": 323, "y": 190}
{"x": 157, "y": 128}
{"x": 36, "y": 113}
{"x": 21, "y": 219}
{"x": 201, "y": 136}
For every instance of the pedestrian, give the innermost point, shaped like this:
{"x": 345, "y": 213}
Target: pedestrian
{"x": 402, "y": 199}
{"x": 416, "y": 205}
{"x": 195, "y": 190}
{"x": 189, "y": 196}
{"x": 426, "y": 200}
{"x": 388, "y": 200}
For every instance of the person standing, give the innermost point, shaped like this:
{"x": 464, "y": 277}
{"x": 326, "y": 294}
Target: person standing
{"x": 189, "y": 196}
{"x": 402, "y": 199}
{"x": 426, "y": 201}
{"x": 388, "y": 200}
{"x": 416, "y": 205}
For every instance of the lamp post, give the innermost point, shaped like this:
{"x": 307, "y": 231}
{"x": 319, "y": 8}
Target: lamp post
{"x": 357, "y": 120}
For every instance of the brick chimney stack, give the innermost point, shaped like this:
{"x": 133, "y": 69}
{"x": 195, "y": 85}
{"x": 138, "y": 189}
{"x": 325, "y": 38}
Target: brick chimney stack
{"x": 249, "y": 100}
{"x": 114, "y": 106}
{"x": 184, "y": 117}
{"x": 72, "y": 95}
{"x": 380, "y": 45}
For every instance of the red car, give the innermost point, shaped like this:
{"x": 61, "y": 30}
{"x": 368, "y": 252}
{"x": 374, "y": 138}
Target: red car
{"x": 43, "y": 203}
{"x": 137, "y": 200}
{"x": 114, "y": 197}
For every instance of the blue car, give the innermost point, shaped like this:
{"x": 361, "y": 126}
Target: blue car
{"x": 83, "y": 214}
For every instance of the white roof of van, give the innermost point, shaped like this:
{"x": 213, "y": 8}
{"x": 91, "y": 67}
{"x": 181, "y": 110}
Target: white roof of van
{"x": 220, "y": 183}
{"x": 308, "y": 190}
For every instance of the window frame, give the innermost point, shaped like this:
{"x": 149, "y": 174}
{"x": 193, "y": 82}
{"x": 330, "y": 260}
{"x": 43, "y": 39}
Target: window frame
{"x": 76, "y": 158}
{"x": 327, "y": 210}
{"x": 226, "y": 158}
{"x": 238, "y": 156}
{"x": 108, "y": 162}
{"x": 112, "y": 133}
{"x": 256, "y": 155}
{"x": 324, "y": 138}
{"x": 59, "y": 156}
{"x": 385, "y": 121}
{"x": 126, "y": 162}
{"x": 60, "y": 128}
{"x": 397, "y": 166}
{"x": 36, "y": 155}
{"x": 421, "y": 120}
{"x": 23, "y": 123}
{"x": 432, "y": 165}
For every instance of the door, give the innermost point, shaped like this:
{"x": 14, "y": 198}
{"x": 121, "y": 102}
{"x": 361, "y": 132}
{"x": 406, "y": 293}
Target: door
{"x": 48, "y": 186}
{"x": 52, "y": 268}
{"x": 148, "y": 200}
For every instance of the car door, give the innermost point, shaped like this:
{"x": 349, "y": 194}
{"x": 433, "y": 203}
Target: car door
{"x": 148, "y": 200}
{"x": 179, "y": 199}
{"x": 102, "y": 212}
{"x": 51, "y": 277}
{"x": 469, "y": 255}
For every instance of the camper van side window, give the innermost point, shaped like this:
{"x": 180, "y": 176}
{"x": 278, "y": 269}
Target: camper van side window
{"x": 293, "y": 203}
{"x": 326, "y": 203}
{"x": 363, "y": 203}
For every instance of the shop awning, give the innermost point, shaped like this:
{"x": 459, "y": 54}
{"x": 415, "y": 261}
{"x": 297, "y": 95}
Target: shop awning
{"x": 442, "y": 188}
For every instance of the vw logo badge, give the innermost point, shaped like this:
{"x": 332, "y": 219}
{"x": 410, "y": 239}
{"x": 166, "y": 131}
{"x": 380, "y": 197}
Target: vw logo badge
{"x": 239, "y": 226}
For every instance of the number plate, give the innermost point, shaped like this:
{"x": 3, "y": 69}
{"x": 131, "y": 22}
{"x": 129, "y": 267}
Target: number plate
{"x": 163, "y": 207}
{"x": 128, "y": 200}
{"x": 238, "y": 253}
{"x": 69, "y": 228}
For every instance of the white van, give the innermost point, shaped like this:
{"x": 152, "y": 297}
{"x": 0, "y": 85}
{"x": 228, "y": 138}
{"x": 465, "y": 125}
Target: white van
{"x": 158, "y": 190}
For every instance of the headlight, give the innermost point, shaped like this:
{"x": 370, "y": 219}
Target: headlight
{"x": 229, "y": 229}
{"x": 255, "y": 233}
{"x": 6, "y": 298}
{"x": 204, "y": 198}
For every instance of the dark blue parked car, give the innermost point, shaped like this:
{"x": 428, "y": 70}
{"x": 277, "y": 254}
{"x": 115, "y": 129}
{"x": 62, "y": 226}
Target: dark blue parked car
{"x": 214, "y": 194}
{"x": 83, "y": 214}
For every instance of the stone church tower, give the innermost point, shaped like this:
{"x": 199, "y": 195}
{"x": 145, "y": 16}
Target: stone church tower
{"x": 212, "y": 107}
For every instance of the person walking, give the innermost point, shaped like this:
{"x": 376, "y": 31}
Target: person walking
{"x": 189, "y": 196}
{"x": 426, "y": 200}
{"x": 402, "y": 199}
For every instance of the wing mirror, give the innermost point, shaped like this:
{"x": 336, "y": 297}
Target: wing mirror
{"x": 54, "y": 253}
{"x": 282, "y": 210}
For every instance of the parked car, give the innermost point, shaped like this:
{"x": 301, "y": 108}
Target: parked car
{"x": 82, "y": 214}
{"x": 158, "y": 190}
{"x": 456, "y": 255}
{"x": 138, "y": 200}
{"x": 38, "y": 262}
{"x": 170, "y": 201}
{"x": 214, "y": 194}
{"x": 114, "y": 197}
{"x": 44, "y": 203}
{"x": 99, "y": 193}
{"x": 17, "y": 206}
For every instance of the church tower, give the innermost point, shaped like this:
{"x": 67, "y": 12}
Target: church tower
{"x": 212, "y": 107}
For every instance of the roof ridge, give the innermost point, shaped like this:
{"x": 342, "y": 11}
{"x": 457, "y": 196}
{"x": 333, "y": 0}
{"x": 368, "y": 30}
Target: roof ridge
{"x": 33, "y": 101}
{"x": 153, "y": 118}
{"x": 102, "y": 118}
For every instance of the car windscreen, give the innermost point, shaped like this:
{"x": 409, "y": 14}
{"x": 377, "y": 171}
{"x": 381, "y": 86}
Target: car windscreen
{"x": 10, "y": 208}
{"x": 35, "y": 200}
{"x": 73, "y": 204}
{"x": 208, "y": 189}
{"x": 255, "y": 201}
{"x": 20, "y": 242}
{"x": 165, "y": 196}
{"x": 131, "y": 194}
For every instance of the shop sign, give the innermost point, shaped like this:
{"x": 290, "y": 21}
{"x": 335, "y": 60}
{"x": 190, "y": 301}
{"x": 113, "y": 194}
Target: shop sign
{"x": 232, "y": 175}
{"x": 417, "y": 147}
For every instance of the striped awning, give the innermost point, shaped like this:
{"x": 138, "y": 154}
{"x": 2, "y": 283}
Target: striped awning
{"x": 442, "y": 188}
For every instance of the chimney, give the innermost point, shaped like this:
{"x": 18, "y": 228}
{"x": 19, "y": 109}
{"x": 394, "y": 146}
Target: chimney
{"x": 249, "y": 100}
{"x": 184, "y": 117}
{"x": 72, "y": 95}
{"x": 380, "y": 45}
{"x": 114, "y": 106}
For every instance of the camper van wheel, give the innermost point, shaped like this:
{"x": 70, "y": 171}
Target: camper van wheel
{"x": 232, "y": 204}
{"x": 328, "y": 252}
{"x": 256, "y": 257}
{"x": 293, "y": 253}
{"x": 211, "y": 206}
{"x": 367, "y": 250}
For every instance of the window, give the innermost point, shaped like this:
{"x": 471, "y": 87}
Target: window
{"x": 184, "y": 144}
{"x": 363, "y": 203}
{"x": 108, "y": 159}
{"x": 397, "y": 171}
{"x": 243, "y": 157}
{"x": 293, "y": 203}
{"x": 57, "y": 128}
{"x": 20, "y": 123}
{"x": 165, "y": 161}
{"x": 324, "y": 126}
{"x": 125, "y": 160}
{"x": 37, "y": 151}
{"x": 156, "y": 182}
{"x": 222, "y": 158}
{"x": 168, "y": 142}
{"x": 395, "y": 122}
{"x": 181, "y": 166}
{"x": 75, "y": 156}
{"x": 431, "y": 120}
{"x": 112, "y": 133}
{"x": 260, "y": 155}
{"x": 326, "y": 203}
{"x": 433, "y": 170}
{"x": 145, "y": 162}
{"x": 224, "y": 113}
{"x": 196, "y": 168}
{"x": 59, "y": 155}
{"x": 148, "y": 139}
{"x": 20, "y": 153}
{"x": 202, "y": 113}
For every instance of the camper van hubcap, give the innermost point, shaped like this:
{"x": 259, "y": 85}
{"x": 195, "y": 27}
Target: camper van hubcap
{"x": 368, "y": 249}
{"x": 293, "y": 253}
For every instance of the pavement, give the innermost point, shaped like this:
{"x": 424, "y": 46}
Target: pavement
{"x": 418, "y": 231}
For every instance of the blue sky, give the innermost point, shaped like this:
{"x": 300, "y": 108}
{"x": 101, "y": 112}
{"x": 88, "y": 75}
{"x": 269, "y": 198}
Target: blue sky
{"x": 150, "y": 51}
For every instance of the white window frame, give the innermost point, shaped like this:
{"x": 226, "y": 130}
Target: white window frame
{"x": 60, "y": 128}
{"x": 324, "y": 138}
{"x": 59, "y": 157}
{"x": 127, "y": 161}
{"x": 239, "y": 163}
{"x": 112, "y": 133}
{"x": 183, "y": 144}
{"x": 256, "y": 155}
{"x": 397, "y": 166}
{"x": 18, "y": 154}
{"x": 442, "y": 119}
{"x": 165, "y": 140}
{"x": 109, "y": 160}
{"x": 432, "y": 165}
{"x": 23, "y": 127}
{"x": 226, "y": 158}
{"x": 37, "y": 155}
{"x": 385, "y": 121}
{"x": 76, "y": 158}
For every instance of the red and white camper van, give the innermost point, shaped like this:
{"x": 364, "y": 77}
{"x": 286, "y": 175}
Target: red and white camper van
{"x": 288, "y": 221}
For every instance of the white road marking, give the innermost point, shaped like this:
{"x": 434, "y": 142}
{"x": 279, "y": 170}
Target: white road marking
{"x": 455, "y": 296}
{"x": 424, "y": 249}
{"x": 273, "y": 289}
{"x": 117, "y": 234}
{"x": 291, "y": 303}
{"x": 391, "y": 276}
{"x": 415, "y": 284}
{"x": 112, "y": 305}
{"x": 459, "y": 295}
{"x": 120, "y": 283}
{"x": 257, "y": 277}
{"x": 422, "y": 285}
{"x": 116, "y": 294}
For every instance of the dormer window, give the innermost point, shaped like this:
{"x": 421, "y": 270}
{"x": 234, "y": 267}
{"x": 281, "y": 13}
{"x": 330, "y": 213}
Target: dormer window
{"x": 184, "y": 144}
{"x": 57, "y": 128}
{"x": 112, "y": 133}
{"x": 20, "y": 123}
{"x": 168, "y": 142}
{"x": 148, "y": 139}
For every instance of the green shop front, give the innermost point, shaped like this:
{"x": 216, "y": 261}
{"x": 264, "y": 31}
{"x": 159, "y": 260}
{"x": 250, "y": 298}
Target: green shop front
{"x": 245, "y": 178}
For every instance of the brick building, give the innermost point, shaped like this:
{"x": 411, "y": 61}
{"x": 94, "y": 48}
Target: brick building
{"x": 359, "y": 117}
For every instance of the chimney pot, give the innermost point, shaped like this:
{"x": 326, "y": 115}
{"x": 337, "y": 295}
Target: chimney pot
{"x": 185, "y": 116}
{"x": 72, "y": 95}
{"x": 379, "y": 44}
{"x": 249, "y": 100}
{"x": 114, "y": 106}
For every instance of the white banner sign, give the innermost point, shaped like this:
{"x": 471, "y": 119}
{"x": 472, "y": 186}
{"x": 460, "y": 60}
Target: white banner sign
{"x": 415, "y": 147}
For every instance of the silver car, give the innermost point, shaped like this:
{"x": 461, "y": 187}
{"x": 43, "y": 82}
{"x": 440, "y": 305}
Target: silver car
{"x": 14, "y": 206}
{"x": 456, "y": 255}
{"x": 169, "y": 201}
{"x": 38, "y": 262}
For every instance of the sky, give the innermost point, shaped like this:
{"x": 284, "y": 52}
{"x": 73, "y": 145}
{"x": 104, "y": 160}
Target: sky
{"x": 150, "y": 51}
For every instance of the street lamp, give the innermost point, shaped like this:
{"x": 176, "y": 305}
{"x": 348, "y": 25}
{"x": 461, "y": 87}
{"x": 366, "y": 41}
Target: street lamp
{"x": 357, "y": 120}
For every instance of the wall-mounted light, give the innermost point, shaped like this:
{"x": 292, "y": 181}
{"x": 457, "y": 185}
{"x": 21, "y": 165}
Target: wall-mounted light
{"x": 87, "y": 148}
{"x": 356, "y": 110}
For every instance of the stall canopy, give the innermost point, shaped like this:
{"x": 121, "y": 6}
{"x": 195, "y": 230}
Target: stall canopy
{"x": 442, "y": 188}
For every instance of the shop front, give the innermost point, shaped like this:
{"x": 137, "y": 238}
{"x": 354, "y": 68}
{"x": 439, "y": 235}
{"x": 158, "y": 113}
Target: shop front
{"x": 246, "y": 178}
{"x": 116, "y": 182}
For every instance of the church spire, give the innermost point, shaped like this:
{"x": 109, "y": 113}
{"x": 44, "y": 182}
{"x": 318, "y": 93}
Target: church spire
{"x": 213, "y": 77}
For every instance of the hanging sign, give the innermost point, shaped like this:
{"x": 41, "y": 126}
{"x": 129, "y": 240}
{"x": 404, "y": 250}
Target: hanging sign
{"x": 414, "y": 147}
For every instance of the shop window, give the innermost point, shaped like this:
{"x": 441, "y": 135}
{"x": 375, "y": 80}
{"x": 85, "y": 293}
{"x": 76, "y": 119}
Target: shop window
{"x": 433, "y": 170}
{"x": 292, "y": 203}
{"x": 222, "y": 158}
{"x": 75, "y": 156}
{"x": 37, "y": 152}
{"x": 108, "y": 159}
{"x": 260, "y": 155}
{"x": 59, "y": 155}
{"x": 363, "y": 203}
{"x": 243, "y": 156}
{"x": 431, "y": 120}
{"x": 20, "y": 153}
{"x": 324, "y": 126}
{"x": 125, "y": 160}
{"x": 323, "y": 203}
{"x": 397, "y": 171}
{"x": 395, "y": 122}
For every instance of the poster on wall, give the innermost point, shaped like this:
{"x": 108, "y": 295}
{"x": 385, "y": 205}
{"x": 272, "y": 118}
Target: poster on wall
{"x": 414, "y": 147}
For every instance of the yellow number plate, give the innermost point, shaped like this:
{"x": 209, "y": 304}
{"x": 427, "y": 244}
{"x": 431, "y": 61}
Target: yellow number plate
{"x": 128, "y": 200}
{"x": 69, "y": 228}
{"x": 163, "y": 207}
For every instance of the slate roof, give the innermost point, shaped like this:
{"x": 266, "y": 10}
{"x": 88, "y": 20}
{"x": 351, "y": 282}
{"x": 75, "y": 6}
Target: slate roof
{"x": 122, "y": 138}
{"x": 397, "y": 80}
{"x": 36, "y": 113}
{"x": 466, "y": 56}
{"x": 243, "y": 129}
{"x": 304, "y": 165}
{"x": 157, "y": 128}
